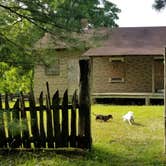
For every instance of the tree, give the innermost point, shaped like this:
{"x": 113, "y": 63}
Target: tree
{"x": 159, "y": 4}
{"x": 23, "y": 22}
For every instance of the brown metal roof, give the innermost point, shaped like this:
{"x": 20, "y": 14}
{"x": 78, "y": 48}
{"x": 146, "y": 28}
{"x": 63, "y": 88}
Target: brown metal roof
{"x": 132, "y": 41}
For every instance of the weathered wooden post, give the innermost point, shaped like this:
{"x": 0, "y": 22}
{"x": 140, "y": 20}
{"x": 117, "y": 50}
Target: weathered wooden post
{"x": 165, "y": 100}
{"x": 84, "y": 129}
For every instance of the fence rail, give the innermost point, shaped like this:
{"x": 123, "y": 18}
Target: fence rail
{"x": 48, "y": 124}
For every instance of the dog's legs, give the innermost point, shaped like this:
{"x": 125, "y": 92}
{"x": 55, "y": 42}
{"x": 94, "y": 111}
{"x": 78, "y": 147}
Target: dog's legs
{"x": 129, "y": 122}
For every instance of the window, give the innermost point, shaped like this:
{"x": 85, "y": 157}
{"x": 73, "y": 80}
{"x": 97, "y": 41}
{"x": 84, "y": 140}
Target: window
{"x": 53, "y": 68}
{"x": 117, "y": 69}
{"x": 116, "y": 79}
{"x": 116, "y": 59}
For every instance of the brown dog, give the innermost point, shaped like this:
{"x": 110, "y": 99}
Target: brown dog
{"x": 104, "y": 118}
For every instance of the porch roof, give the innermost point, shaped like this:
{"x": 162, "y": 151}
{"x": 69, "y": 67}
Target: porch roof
{"x": 132, "y": 41}
{"x": 108, "y": 51}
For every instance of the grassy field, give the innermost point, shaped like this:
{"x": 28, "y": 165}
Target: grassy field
{"x": 115, "y": 143}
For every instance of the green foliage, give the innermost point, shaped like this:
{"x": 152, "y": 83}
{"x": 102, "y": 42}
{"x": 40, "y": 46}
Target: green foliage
{"x": 16, "y": 126}
{"x": 17, "y": 37}
{"x": 14, "y": 79}
{"x": 98, "y": 13}
{"x": 159, "y": 4}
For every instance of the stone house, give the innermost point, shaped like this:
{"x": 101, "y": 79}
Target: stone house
{"x": 128, "y": 64}
{"x": 62, "y": 70}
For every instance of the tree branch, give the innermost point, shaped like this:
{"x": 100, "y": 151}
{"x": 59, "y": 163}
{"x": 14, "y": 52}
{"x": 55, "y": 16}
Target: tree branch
{"x": 13, "y": 43}
{"x": 32, "y": 19}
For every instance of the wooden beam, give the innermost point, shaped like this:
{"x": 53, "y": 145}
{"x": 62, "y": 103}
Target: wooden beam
{"x": 140, "y": 95}
{"x": 165, "y": 101}
{"x": 153, "y": 76}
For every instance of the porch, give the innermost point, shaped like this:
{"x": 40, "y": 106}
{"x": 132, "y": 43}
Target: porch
{"x": 147, "y": 97}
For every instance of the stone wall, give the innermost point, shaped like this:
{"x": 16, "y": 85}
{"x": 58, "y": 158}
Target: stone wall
{"x": 61, "y": 81}
{"x": 138, "y": 75}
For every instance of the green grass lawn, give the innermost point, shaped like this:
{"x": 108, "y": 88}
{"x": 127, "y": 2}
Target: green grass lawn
{"x": 114, "y": 142}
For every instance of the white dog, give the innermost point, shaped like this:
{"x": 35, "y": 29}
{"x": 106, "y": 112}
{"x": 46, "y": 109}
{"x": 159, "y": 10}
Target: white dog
{"x": 129, "y": 117}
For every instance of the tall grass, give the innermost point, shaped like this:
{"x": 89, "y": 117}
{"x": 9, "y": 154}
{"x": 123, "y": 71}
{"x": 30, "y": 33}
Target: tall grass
{"x": 114, "y": 142}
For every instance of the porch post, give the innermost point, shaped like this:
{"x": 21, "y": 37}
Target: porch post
{"x": 147, "y": 101}
{"x": 165, "y": 100}
{"x": 153, "y": 75}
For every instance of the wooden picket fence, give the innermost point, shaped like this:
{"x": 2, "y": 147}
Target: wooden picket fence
{"x": 50, "y": 124}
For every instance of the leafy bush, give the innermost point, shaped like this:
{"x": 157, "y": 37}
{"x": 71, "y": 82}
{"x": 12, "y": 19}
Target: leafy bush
{"x": 14, "y": 79}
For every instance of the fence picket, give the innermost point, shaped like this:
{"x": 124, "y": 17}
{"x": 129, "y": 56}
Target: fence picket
{"x": 49, "y": 125}
{"x": 48, "y": 94}
{"x": 42, "y": 132}
{"x": 8, "y": 120}
{"x": 24, "y": 122}
{"x": 73, "y": 121}
{"x": 65, "y": 126}
{"x": 6, "y": 102}
{"x": 34, "y": 121}
{"x": 56, "y": 115}
{"x": 16, "y": 134}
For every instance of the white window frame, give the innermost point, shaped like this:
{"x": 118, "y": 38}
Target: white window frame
{"x": 116, "y": 59}
{"x": 116, "y": 79}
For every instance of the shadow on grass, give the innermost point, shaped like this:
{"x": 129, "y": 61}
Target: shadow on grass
{"x": 100, "y": 156}
{"x": 138, "y": 124}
